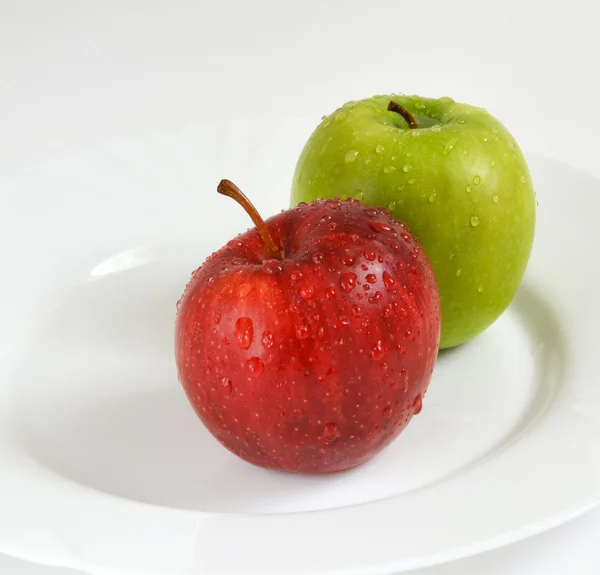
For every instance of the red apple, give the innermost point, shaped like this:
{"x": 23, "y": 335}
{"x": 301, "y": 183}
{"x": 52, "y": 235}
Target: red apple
{"x": 307, "y": 343}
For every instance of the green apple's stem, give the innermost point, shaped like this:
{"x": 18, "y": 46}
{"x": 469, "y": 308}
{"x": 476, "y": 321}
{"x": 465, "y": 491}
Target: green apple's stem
{"x": 229, "y": 189}
{"x": 410, "y": 119}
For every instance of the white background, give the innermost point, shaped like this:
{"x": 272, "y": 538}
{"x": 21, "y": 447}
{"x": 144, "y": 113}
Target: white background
{"x": 79, "y": 73}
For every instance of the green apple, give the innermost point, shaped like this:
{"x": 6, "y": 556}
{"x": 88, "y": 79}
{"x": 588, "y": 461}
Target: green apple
{"x": 454, "y": 174}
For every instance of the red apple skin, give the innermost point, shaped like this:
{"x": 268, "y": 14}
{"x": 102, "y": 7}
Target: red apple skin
{"x": 311, "y": 364}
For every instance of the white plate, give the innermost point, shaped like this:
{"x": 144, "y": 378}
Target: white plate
{"x": 104, "y": 466}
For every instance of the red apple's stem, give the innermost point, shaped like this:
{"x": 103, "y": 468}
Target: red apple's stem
{"x": 229, "y": 189}
{"x": 410, "y": 119}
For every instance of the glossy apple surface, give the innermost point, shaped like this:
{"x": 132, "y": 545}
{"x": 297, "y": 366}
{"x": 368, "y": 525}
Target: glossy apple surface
{"x": 458, "y": 180}
{"x": 316, "y": 359}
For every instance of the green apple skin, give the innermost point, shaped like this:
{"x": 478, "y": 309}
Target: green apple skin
{"x": 459, "y": 181}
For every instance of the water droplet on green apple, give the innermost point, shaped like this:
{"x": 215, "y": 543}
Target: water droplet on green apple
{"x": 493, "y": 163}
{"x": 340, "y": 116}
{"x": 392, "y": 206}
{"x": 448, "y": 147}
{"x": 474, "y": 221}
{"x": 451, "y": 256}
{"x": 380, "y": 149}
{"x": 350, "y": 156}
{"x": 431, "y": 198}
{"x": 412, "y": 181}
{"x": 436, "y": 128}
{"x": 523, "y": 179}
{"x": 406, "y": 168}
{"x": 468, "y": 189}
{"x": 495, "y": 199}
{"x": 465, "y": 152}
{"x": 458, "y": 271}
{"x": 461, "y": 121}
{"x": 350, "y": 104}
{"x": 389, "y": 169}
{"x": 480, "y": 289}
{"x": 477, "y": 180}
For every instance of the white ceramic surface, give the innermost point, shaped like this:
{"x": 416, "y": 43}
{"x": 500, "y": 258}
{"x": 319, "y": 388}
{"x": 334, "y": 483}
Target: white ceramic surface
{"x": 105, "y": 467}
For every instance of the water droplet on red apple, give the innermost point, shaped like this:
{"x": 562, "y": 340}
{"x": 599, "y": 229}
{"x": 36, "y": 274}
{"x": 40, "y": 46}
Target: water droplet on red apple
{"x": 408, "y": 333}
{"x": 335, "y": 204}
{"x": 306, "y": 292}
{"x": 267, "y": 339}
{"x": 272, "y": 267}
{"x": 377, "y": 352}
{"x": 244, "y": 289}
{"x": 376, "y": 297}
{"x": 388, "y": 281}
{"x": 226, "y": 385}
{"x": 356, "y": 309}
{"x": 355, "y": 238}
{"x": 330, "y": 292}
{"x": 369, "y": 255}
{"x": 217, "y": 318}
{"x": 244, "y": 331}
{"x": 405, "y": 237}
{"x": 330, "y": 431}
{"x": 371, "y": 212}
{"x": 347, "y": 259}
{"x": 348, "y": 281}
{"x": 387, "y": 311}
{"x": 417, "y": 405}
{"x": 387, "y": 411}
{"x": 326, "y": 218}
{"x": 382, "y": 227}
{"x": 318, "y": 258}
{"x": 255, "y": 366}
{"x": 371, "y": 278}
{"x": 302, "y": 332}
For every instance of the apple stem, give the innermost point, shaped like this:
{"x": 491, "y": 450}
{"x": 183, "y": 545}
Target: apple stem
{"x": 229, "y": 189}
{"x": 410, "y": 119}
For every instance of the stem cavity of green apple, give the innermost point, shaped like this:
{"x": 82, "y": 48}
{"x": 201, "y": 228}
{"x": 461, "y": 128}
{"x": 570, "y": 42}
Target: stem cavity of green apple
{"x": 410, "y": 119}
{"x": 229, "y": 189}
